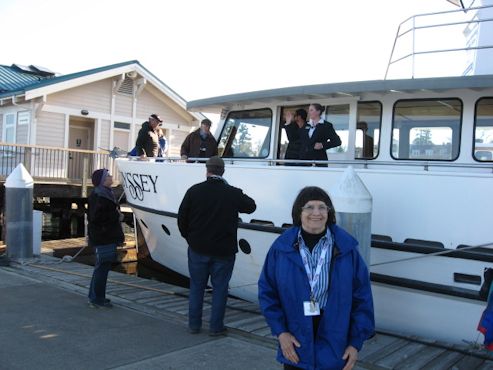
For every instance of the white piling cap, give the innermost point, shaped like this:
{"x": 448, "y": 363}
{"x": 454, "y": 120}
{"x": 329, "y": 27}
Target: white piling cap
{"x": 350, "y": 194}
{"x": 19, "y": 178}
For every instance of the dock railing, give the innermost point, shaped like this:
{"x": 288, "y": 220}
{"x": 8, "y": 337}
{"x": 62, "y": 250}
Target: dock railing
{"x": 52, "y": 164}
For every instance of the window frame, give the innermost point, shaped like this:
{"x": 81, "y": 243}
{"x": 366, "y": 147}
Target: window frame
{"x": 474, "y": 129}
{"x": 461, "y": 119}
{"x": 14, "y": 125}
{"x": 249, "y": 110}
{"x": 379, "y": 128}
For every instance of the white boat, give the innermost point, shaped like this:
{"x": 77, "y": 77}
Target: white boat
{"x": 422, "y": 147}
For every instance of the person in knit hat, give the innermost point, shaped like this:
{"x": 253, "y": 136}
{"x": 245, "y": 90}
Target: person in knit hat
{"x": 105, "y": 233}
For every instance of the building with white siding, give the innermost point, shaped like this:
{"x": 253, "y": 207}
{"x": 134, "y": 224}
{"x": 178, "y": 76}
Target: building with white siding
{"x": 101, "y": 108}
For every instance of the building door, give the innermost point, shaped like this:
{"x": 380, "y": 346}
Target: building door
{"x": 81, "y": 138}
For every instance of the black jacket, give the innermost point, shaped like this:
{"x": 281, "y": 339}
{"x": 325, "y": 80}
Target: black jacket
{"x": 103, "y": 221}
{"x": 293, "y": 134}
{"x": 148, "y": 141}
{"x": 195, "y": 147}
{"x": 324, "y": 133}
{"x": 208, "y": 217}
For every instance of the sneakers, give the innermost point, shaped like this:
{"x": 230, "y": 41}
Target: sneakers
{"x": 106, "y": 304}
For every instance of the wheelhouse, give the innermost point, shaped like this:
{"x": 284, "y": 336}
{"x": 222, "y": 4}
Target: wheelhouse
{"x": 431, "y": 122}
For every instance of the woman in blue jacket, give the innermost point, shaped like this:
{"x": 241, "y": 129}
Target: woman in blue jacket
{"x": 314, "y": 289}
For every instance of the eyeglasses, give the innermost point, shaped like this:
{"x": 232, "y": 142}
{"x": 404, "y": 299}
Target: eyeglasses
{"x": 311, "y": 209}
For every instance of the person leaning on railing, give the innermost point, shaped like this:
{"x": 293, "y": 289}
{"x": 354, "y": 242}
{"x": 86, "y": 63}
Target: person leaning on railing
{"x": 200, "y": 143}
{"x": 148, "y": 139}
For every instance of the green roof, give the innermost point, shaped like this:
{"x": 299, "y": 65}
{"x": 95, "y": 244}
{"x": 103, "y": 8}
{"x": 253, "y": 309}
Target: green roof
{"x": 13, "y": 78}
{"x": 21, "y": 87}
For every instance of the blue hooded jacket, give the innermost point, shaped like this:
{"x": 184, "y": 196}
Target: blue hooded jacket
{"x": 348, "y": 317}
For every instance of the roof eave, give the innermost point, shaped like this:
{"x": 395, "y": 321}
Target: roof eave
{"x": 349, "y": 88}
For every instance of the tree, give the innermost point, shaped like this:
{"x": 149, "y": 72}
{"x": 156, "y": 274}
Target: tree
{"x": 423, "y": 137}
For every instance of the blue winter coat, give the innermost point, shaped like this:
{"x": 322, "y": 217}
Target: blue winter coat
{"x": 348, "y": 315}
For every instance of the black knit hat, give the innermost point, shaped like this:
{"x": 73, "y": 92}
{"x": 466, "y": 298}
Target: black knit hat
{"x": 97, "y": 176}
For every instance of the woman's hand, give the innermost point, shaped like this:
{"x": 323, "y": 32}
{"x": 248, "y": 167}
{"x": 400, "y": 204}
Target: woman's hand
{"x": 288, "y": 342}
{"x": 351, "y": 356}
{"x": 289, "y": 117}
{"x": 318, "y": 146}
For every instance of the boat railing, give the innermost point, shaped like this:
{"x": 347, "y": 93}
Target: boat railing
{"x": 412, "y": 25}
{"x": 53, "y": 164}
{"x": 358, "y": 163}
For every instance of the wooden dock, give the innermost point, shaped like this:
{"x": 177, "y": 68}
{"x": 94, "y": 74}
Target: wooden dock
{"x": 70, "y": 247}
{"x": 384, "y": 351}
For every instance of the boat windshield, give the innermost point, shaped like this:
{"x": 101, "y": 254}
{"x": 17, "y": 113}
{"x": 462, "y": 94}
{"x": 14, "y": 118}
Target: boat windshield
{"x": 246, "y": 134}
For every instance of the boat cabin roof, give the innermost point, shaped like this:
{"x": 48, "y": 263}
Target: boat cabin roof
{"x": 337, "y": 90}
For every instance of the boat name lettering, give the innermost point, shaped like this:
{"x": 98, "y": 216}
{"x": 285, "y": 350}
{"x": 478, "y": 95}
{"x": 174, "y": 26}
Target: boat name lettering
{"x": 138, "y": 184}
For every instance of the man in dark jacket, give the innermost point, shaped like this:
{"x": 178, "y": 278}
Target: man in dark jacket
{"x": 105, "y": 233}
{"x": 147, "y": 144}
{"x": 200, "y": 143}
{"x": 208, "y": 220}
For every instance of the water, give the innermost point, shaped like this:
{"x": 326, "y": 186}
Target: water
{"x": 145, "y": 267}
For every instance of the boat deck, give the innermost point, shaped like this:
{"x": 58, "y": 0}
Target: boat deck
{"x": 384, "y": 351}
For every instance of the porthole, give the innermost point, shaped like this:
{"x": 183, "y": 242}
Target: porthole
{"x": 245, "y": 246}
{"x": 165, "y": 229}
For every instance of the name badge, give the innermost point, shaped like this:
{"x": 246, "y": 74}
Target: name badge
{"x": 311, "y": 308}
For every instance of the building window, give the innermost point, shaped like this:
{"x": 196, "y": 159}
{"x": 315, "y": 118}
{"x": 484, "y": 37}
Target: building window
{"x": 23, "y": 118}
{"x": 246, "y": 134}
{"x": 8, "y": 135}
{"x": 368, "y": 125}
{"x": 426, "y": 129}
{"x": 483, "y": 130}
{"x": 122, "y": 125}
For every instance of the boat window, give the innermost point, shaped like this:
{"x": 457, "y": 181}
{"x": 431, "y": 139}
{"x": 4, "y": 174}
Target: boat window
{"x": 483, "y": 130}
{"x": 426, "y": 129}
{"x": 338, "y": 115}
{"x": 368, "y": 130}
{"x": 246, "y": 134}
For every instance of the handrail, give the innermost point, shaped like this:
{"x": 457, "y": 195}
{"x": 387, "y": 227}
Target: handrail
{"x": 359, "y": 162}
{"x": 53, "y": 164}
{"x": 54, "y": 148}
{"x": 414, "y": 27}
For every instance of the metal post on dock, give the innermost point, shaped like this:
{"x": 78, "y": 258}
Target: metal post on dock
{"x": 19, "y": 213}
{"x": 353, "y": 206}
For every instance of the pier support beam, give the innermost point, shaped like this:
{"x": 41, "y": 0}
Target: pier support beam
{"x": 353, "y": 206}
{"x": 19, "y": 213}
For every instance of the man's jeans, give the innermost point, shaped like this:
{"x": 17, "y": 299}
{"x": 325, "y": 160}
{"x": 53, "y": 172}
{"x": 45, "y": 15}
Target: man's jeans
{"x": 220, "y": 270}
{"x": 105, "y": 256}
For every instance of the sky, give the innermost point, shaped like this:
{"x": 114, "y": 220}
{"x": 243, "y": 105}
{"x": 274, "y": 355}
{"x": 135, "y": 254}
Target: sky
{"x": 205, "y": 48}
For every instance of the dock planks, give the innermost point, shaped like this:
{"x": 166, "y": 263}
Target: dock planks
{"x": 383, "y": 351}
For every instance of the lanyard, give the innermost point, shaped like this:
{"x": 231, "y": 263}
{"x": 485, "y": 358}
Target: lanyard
{"x": 313, "y": 279}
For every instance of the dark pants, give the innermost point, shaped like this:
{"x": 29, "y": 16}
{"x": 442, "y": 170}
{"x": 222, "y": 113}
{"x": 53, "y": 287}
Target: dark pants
{"x": 220, "y": 270}
{"x": 105, "y": 256}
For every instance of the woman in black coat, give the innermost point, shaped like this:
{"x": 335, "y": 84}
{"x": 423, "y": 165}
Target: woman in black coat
{"x": 317, "y": 136}
{"x": 105, "y": 233}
